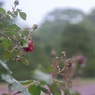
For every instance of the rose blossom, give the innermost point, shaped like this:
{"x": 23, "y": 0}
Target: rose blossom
{"x": 29, "y": 48}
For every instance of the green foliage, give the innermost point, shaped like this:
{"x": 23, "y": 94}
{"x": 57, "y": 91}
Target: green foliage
{"x": 25, "y": 61}
{"x": 58, "y": 34}
{"x": 2, "y": 10}
{"x": 11, "y": 87}
{"x": 22, "y": 15}
{"x": 34, "y": 89}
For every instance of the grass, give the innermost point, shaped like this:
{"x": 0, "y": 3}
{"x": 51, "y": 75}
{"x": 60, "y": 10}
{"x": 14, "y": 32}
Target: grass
{"x": 85, "y": 81}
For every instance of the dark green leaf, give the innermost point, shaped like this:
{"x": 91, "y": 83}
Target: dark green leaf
{"x": 26, "y": 82}
{"x": 9, "y": 12}
{"x": 67, "y": 91}
{"x": 2, "y": 10}
{"x": 22, "y": 15}
{"x": 11, "y": 87}
{"x": 25, "y": 61}
{"x": 8, "y": 18}
{"x": 50, "y": 68}
{"x": 44, "y": 89}
{"x": 42, "y": 83}
{"x": 15, "y": 14}
{"x": 34, "y": 89}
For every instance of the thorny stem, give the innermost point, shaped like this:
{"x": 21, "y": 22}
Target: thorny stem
{"x": 7, "y": 48}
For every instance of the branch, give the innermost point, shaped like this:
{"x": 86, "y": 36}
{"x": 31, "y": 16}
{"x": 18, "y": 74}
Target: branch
{"x": 7, "y": 37}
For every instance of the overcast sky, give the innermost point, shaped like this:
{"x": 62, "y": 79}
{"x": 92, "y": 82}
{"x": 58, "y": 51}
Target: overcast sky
{"x": 37, "y": 9}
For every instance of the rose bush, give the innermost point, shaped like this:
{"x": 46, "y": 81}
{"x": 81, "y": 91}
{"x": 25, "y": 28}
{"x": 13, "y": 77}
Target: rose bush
{"x": 14, "y": 42}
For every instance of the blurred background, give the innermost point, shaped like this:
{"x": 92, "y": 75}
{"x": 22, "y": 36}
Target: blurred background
{"x": 63, "y": 25}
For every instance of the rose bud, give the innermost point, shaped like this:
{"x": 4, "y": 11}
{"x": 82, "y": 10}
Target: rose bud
{"x": 16, "y": 2}
{"x": 29, "y": 48}
{"x": 35, "y": 26}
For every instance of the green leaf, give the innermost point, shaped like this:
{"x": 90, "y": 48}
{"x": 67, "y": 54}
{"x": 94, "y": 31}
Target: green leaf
{"x": 22, "y": 15}
{"x": 50, "y": 68}
{"x": 8, "y": 18}
{"x": 7, "y": 78}
{"x": 11, "y": 87}
{"x": 25, "y": 61}
{"x": 34, "y": 89}
{"x": 6, "y": 43}
{"x": 54, "y": 87}
{"x": 69, "y": 84}
{"x": 58, "y": 93}
{"x": 67, "y": 91}
{"x": 42, "y": 83}
{"x": 76, "y": 93}
{"x": 9, "y": 12}
{"x": 19, "y": 10}
{"x": 5, "y": 66}
{"x": 44, "y": 89}
{"x": 2, "y": 10}
{"x": 26, "y": 82}
{"x": 20, "y": 88}
{"x": 26, "y": 93}
{"x": 26, "y": 31}
{"x": 60, "y": 83}
{"x": 16, "y": 14}
{"x": 16, "y": 52}
{"x": 37, "y": 74}
{"x": 12, "y": 27}
{"x": 4, "y": 94}
{"x": 1, "y": 25}
{"x": 23, "y": 43}
{"x": 6, "y": 56}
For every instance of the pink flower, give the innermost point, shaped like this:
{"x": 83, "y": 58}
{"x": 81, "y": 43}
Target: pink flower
{"x": 29, "y": 48}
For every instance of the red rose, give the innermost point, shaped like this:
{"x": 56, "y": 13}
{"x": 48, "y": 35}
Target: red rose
{"x": 70, "y": 64}
{"x": 29, "y": 48}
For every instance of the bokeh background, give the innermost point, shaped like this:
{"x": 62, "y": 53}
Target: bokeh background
{"x": 63, "y": 25}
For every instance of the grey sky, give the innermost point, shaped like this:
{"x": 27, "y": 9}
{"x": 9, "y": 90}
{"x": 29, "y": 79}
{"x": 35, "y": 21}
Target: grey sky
{"x": 36, "y": 9}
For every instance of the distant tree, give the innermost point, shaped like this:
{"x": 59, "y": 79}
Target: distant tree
{"x": 76, "y": 38}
